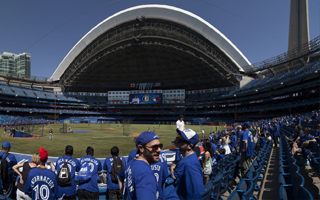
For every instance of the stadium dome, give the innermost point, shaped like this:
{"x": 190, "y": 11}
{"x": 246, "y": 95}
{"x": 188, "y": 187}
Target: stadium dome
{"x": 156, "y": 44}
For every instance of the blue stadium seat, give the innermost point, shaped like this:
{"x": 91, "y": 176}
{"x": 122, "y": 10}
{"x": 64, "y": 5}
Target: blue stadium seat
{"x": 248, "y": 194}
{"x": 294, "y": 192}
{"x": 206, "y": 195}
{"x": 234, "y": 196}
{"x": 303, "y": 193}
{"x": 282, "y": 193}
{"x": 216, "y": 185}
{"x": 315, "y": 164}
{"x": 243, "y": 185}
{"x": 292, "y": 178}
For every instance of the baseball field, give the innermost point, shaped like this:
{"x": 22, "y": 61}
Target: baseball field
{"x": 100, "y": 136}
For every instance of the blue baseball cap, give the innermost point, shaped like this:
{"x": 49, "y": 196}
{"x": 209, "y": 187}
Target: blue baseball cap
{"x": 189, "y": 136}
{"x": 6, "y": 144}
{"x": 146, "y": 137}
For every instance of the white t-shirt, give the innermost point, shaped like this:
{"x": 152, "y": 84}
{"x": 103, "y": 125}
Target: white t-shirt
{"x": 180, "y": 125}
{"x": 227, "y": 148}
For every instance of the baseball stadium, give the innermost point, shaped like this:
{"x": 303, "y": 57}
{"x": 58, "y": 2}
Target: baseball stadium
{"x": 141, "y": 69}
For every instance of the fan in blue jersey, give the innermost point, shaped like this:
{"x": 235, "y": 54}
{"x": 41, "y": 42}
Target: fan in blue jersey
{"x": 41, "y": 183}
{"x": 88, "y": 176}
{"x": 188, "y": 172}
{"x": 113, "y": 191}
{"x": 246, "y": 148}
{"x": 234, "y": 141}
{"x": 9, "y": 160}
{"x": 68, "y": 190}
{"x": 132, "y": 155}
{"x": 275, "y": 133}
{"x": 140, "y": 181}
{"x": 161, "y": 172}
{"x": 177, "y": 158}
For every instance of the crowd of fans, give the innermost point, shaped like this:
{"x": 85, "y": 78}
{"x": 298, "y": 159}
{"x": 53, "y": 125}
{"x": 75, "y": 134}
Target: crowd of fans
{"x": 145, "y": 174}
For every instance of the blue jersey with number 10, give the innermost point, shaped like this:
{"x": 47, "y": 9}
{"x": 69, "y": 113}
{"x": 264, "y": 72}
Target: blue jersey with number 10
{"x": 41, "y": 184}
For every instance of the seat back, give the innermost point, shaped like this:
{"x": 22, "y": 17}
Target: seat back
{"x": 234, "y": 196}
{"x": 282, "y": 193}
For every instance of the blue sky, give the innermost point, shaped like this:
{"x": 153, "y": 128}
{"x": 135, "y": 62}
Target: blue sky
{"x": 49, "y": 29}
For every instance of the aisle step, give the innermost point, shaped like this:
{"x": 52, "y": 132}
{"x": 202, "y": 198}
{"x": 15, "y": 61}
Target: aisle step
{"x": 270, "y": 184}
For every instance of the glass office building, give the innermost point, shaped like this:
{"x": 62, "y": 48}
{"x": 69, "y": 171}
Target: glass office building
{"x": 16, "y": 65}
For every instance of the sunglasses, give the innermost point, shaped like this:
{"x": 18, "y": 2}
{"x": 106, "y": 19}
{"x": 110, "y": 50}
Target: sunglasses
{"x": 155, "y": 147}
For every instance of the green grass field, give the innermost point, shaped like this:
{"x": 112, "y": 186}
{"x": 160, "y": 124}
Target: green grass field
{"x": 100, "y": 136}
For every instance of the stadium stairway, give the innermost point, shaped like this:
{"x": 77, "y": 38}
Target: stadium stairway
{"x": 270, "y": 185}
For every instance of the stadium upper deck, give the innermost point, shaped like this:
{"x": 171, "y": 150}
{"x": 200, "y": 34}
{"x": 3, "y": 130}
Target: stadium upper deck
{"x": 151, "y": 44}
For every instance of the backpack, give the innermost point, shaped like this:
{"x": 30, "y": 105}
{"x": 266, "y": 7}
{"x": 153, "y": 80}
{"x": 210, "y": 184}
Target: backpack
{"x": 64, "y": 175}
{"x": 117, "y": 167}
{"x": 4, "y": 167}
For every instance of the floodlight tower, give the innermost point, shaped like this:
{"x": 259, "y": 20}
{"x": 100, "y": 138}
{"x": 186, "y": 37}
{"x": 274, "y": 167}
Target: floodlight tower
{"x": 299, "y": 26}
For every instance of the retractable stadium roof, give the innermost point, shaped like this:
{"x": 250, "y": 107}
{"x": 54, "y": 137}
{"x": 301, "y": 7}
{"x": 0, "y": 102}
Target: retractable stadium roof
{"x": 151, "y": 44}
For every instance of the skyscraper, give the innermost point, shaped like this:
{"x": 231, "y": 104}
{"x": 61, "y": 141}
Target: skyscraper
{"x": 17, "y": 65}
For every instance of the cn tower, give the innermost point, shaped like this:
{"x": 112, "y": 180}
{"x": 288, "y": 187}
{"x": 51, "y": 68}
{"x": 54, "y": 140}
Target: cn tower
{"x": 299, "y": 25}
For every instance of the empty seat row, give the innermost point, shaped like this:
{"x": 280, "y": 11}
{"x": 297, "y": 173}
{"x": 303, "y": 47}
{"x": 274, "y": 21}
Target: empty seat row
{"x": 252, "y": 182}
{"x": 292, "y": 183}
